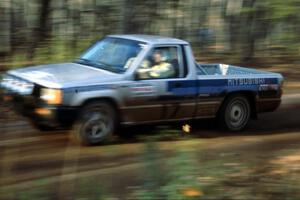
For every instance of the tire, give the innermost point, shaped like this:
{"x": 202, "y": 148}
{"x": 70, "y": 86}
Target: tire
{"x": 95, "y": 124}
{"x": 235, "y": 113}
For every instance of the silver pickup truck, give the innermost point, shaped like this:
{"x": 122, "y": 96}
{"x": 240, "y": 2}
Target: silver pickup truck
{"x": 135, "y": 79}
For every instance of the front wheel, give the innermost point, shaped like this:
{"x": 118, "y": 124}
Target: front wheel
{"x": 235, "y": 113}
{"x": 96, "y": 123}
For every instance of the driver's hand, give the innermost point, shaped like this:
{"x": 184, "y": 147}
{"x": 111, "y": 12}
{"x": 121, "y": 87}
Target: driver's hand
{"x": 145, "y": 64}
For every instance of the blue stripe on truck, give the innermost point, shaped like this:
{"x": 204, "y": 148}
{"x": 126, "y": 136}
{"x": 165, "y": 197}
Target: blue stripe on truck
{"x": 213, "y": 86}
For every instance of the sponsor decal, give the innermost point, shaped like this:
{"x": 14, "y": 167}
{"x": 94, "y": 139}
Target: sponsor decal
{"x": 245, "y": 81}
{"x": 142, "y": 90}
{"x": 266, "y": 87}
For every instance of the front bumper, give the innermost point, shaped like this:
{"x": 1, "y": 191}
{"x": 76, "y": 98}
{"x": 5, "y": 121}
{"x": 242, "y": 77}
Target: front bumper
{"x": 38, "y": 111}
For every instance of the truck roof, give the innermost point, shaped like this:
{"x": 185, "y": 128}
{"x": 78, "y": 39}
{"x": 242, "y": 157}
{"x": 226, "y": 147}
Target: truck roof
{"x": 151, "y": 39}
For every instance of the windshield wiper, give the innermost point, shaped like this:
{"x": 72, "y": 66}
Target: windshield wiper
{"x": 110, "y": 67}
{"x": 99, "y": 64}
{"x": 84, "y": 61}
{"x": 92, "y": 63}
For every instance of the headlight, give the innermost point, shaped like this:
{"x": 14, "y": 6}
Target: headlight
{"x": 51, "y": 96}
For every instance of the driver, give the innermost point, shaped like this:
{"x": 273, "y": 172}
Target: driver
{"x": 160, "y": 68}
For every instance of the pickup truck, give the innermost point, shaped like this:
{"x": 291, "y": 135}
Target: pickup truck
{"x": 136, "y": 79}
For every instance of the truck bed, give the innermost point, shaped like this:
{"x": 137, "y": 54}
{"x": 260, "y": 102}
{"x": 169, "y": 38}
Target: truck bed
{"x": 223, "y": 69}
{"x": 218, "y": 79}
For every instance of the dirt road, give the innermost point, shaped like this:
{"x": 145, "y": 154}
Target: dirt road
{"x": 262, "y": 162}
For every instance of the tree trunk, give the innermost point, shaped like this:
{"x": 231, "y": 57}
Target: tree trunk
{"x": 44, "y": 27}
{"x": 250, "y": 39}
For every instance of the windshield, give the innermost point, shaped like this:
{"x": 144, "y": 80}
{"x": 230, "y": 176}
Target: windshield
{"x": 112, "y": 54}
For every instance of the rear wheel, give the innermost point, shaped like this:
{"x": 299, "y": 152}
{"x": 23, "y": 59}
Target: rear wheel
{"x": 235, "y": 113}
{"x": 96, "y": 123}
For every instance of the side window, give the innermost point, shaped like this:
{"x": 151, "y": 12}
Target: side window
{"x": 162, "y": 62}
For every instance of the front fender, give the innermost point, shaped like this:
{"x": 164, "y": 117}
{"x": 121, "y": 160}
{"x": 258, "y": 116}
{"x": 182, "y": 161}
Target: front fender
{"x": 78, "y": 98}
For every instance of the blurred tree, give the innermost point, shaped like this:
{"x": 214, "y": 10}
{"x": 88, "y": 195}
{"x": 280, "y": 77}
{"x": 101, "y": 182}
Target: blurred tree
{"x": 139, "y": 16}
{"x": 175, "y": 9}
{"x": 248, "y": 23}
{"x": 5, "y": 36}
{"x": 249, "y": 12}
{"x": 285, "y": 19}
{"x": 243, "y": 29}
{"x": 42, "y": 31}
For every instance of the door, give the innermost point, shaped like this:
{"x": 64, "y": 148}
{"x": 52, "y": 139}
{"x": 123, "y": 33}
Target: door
{"x": 161, "y": 91}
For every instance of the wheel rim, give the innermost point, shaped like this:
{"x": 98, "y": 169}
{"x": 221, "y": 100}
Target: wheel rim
{"x": 238, "y": 113}
{"x": 97, "y": 125}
